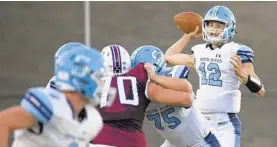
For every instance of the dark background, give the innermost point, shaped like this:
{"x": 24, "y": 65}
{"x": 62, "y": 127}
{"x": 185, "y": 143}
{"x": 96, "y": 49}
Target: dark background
{"x": 31, "y": 32}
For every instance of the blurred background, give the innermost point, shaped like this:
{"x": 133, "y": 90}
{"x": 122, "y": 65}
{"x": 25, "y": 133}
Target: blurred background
{"x": 31, "y": 32}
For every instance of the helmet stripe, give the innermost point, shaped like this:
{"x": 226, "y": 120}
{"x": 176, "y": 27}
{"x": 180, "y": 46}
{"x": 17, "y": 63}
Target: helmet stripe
{"x": 119, "y": 56}
{"x": 116, "y": 59}
{"x": 215, "y": 11}
{"x": 113, "y": 58}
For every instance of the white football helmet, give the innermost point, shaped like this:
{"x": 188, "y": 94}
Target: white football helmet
{"x": 117, "y": 59}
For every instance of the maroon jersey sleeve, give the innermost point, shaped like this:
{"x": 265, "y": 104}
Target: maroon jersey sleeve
{"x": 141, "y": 75}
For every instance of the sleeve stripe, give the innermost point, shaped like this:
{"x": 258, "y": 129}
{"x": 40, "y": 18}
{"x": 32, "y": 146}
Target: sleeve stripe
{"x": 184, "y": 73}
{"x": 42, "y": 104}
{"x": 34, "y": 111}
{"x": 53, "y": 85}
{"x": 245, "y": 59}
{"x": 241, "y": 51}
{"x": 38, "y": 109}
{"x": 247, "y": 55}
{"x": 39, "y": 105}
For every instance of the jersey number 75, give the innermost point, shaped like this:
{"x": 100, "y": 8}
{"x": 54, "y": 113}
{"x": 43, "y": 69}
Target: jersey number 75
{"x": 172, "y": 122}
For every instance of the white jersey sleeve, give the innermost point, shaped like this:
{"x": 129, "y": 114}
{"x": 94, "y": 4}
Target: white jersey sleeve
{"x": 246, "y": 54}
{"x": 178, "y": 71}
{"x": 37, "y": 103}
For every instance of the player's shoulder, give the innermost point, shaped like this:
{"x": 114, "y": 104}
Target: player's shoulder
{"x": 245, "y": 52}
{"x": 140, "y": 66}
{"x": 198, "y": 47}
{"x": 37, "y": 102}
{"x": 245, "y": 48}
{"x": 138, "y": 71}
{"x": 238, "y": 47}
{"x": 39, "y": 94}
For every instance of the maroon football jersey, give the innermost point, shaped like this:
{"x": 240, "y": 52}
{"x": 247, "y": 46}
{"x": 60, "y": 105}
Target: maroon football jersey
{"x": 124, "y": 118}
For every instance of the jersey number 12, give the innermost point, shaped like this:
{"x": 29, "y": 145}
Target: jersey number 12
{"x": 213, "y": 77}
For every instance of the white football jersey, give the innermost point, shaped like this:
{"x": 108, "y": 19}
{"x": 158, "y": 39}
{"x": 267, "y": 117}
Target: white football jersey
{"x": 181, "y": 126}
{"x": 58, "y": 125}
{"x": 219, "y": 85}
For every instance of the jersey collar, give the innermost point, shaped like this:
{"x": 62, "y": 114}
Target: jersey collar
{"x": 209, "y": 45}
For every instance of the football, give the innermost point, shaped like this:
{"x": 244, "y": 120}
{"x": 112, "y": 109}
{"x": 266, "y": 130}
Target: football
{"x": 187, "y": 21}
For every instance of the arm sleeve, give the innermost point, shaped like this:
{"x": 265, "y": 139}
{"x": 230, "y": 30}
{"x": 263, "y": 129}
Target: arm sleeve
{"x": 180, "y": 71}
{"x": 36, "y": 101}
{"x": 246, "y": 54}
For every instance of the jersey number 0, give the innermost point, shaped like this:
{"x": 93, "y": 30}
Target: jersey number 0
{"x": 121, "y": 91}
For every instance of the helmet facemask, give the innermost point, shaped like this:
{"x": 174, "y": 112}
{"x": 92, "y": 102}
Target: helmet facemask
{"x": 216, "y": 34}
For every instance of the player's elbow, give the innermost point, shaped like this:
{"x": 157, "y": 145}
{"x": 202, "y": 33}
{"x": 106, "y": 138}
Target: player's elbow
{"x": 169, "y": 52}
{"x": 4, "y": 123}
{"x": 189, "y": 87}
{"x": 5, "y": 131}
{"x": 152, "y": 91}
{"x": 4, "y": 127}
{"x": 187, "y": 99}
{"x": 170, "y": 59}
{"x": 167, "y": 58}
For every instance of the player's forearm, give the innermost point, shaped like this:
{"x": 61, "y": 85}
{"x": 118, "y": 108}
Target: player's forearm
{"x": 176, "y": 100}
{"x": 172, "y": 97}
{"x": 173, "y": 83}
{"x": 244, "y": 76}
{"x": 4, "y": 135}
{"x": 163, "y": 95}
{"x": 178, "y": 46}
{"x": 261, "y": 92}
